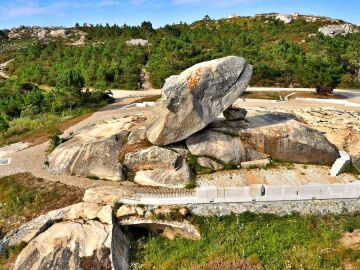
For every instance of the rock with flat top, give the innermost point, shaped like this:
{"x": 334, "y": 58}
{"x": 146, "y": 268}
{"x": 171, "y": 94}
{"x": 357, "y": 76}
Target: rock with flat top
{"x": 93, "y": 151}
{"x": 282, "y": 137}
{"x": 165, "y": 178}
{"x": 193, "y": 99}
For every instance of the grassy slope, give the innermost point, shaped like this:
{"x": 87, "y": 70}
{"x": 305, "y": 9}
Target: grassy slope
{"x": 291, "y": 242}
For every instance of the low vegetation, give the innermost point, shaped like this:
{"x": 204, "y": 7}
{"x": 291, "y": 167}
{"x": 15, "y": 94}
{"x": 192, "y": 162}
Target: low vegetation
{"x": 249, "y": 241}
{"x": 26, "y": 111}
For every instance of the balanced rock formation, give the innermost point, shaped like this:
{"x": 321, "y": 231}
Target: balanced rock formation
{"x": 282, "y": 137}
{"x": 193, "y": 99}
{"x": 93, "y": 150}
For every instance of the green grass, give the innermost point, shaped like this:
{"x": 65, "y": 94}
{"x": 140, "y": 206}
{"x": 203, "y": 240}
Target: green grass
{"x": 292, "y": 242}
{"x": 44, "y": 125}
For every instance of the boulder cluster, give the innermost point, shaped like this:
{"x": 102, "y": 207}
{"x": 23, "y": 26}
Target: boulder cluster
{"x": 194, "y": 125}
{"x": 88, "y": 235}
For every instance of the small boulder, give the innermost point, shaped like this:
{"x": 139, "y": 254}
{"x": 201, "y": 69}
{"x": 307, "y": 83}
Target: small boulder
{"x": 165, "y": 178}
{"x": 353, "y": 147}
{"x": 255, "y": 164}
{"x": 209, "y": 163}
{"x": 125, "y": 211}
{"x": 193, "y": 99}
{"x": 234, "y": 113}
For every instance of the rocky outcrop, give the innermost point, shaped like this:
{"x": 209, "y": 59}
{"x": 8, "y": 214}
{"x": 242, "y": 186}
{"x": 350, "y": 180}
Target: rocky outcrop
{"x": 196, "y": 97}
{"x": 234, "y": 113}
{"x": 76, "y": 237}
{"x": 337, "y": 29}
{"x": 93, "y": 150}
{"x": 282, "y": 137}
{"x": 157, "y": 166}
{"x": 353, "y": 147}
{"x": 224, "y": 147}
{"x": 285, "y": 18}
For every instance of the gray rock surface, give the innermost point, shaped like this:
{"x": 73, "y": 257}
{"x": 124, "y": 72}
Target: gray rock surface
{"x": 337, "y": 29}
{"x": 282, "y": 137}
{"x": 76, "y": 245}
{"x": 165, "y": 178}
{"x": 75, "y": 237}
{"x": 154, "y": 157}
{"x": 93, "y": 151}
{"x": 353, "y": 147}
{"x": 223, "y": 147}
{"x": 158, "y": 166}
{"x": 209, "y": 163}
{"x": 193, "y": 99}
{"x": 235, "y": 113}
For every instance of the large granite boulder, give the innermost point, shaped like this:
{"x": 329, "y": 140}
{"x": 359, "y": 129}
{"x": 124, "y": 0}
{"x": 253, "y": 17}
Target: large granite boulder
{"x": 93, "y": 150}
{"x": 223, "y": 147}
{"x": 353, "y": 148}
{"x": 81, "y": 236}
{"x": 193, "y": 99}
{"x": 282, "y": 137}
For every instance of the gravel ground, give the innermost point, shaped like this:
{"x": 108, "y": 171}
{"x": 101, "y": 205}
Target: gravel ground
{"x": 297, "y": 174}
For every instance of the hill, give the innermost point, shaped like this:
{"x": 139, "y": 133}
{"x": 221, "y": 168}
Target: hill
{"x": 286, "y": 50}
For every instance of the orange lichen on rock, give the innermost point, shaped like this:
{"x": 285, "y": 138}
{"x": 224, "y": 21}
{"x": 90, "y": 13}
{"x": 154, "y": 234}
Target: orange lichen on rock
{"x": 194, "y": 79}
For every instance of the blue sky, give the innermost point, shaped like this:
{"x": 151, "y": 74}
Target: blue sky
{"x": 160, "y": 12}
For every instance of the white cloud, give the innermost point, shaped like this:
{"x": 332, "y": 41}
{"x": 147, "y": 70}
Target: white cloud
{"x": 23, "y": 8}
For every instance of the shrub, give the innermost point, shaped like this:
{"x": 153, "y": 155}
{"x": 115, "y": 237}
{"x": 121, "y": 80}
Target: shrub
{"x": 4, "y": 124}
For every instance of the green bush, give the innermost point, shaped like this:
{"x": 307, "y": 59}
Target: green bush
{"x": 4, "y": 124}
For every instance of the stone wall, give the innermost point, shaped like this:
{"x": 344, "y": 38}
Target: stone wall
{"x": 316, "y": 207}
